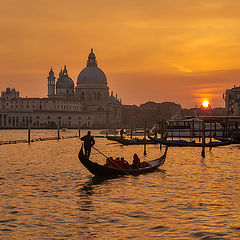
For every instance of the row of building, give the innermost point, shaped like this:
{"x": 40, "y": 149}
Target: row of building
{"x": 90, "y": 104}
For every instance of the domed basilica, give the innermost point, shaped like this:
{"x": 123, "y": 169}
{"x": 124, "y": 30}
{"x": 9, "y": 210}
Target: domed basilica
{"x": 91, "y": 91}
{"x": 86, "y": 105}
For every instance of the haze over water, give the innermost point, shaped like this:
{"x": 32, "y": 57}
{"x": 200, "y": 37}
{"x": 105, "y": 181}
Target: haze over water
{"x": 45, "y": 193}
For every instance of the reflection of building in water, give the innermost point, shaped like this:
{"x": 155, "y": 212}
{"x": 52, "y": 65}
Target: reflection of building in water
{"x": 89, "y": 104}
{"x": 232, "y": 101}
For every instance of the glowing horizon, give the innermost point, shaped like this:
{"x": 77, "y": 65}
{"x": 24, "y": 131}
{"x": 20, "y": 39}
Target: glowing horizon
{"x": 164, "y": 50}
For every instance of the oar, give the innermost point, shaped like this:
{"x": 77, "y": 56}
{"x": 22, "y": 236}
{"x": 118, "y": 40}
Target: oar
{"x": 100, "y": 152}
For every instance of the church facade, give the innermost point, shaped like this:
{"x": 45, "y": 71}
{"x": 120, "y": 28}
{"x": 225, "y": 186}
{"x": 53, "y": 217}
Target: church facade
{"x": 87, "y": 105}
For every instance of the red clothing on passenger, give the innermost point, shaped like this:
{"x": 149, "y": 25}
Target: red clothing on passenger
{"x": 116, "y": 164}
{"x": 136, "y": 162}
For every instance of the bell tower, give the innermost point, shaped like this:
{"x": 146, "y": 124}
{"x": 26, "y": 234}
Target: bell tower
{"x": 51, "y": 83}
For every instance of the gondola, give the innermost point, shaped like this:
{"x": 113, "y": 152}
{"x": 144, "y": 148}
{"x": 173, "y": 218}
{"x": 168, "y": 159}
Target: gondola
{"x": 233, "y": 140}
{"x": 184, "y": 143}
{"x": 101, "y": 170}
{"x": 113, "y": 138}
{"x": 134, "y": 141}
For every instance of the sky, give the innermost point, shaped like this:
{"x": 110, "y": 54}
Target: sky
{"x": 150, "y": 50}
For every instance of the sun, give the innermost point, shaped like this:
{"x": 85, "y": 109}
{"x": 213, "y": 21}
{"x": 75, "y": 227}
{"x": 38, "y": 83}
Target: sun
{"x": 205, "y": 103}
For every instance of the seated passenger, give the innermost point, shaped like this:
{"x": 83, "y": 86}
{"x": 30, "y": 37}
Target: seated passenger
{"x": 125, "y": 164}
{"x": 108, "y": 161}
{"x": 115, "y": 163}
{"x": 136, "y": 161}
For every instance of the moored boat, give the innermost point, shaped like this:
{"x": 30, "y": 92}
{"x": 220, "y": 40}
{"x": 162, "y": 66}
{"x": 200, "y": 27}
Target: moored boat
{"x": 184, "y": 143}
{"x": 102, "y": 170}
{"x": 134, "y": 141}
{"x": 223, "y": 139}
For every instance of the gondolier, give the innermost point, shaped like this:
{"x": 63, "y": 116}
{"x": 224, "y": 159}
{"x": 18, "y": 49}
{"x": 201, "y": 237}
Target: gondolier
{"x": 88, "y": 143}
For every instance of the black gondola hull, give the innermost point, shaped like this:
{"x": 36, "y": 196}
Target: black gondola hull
{"x": 101, "y": 170}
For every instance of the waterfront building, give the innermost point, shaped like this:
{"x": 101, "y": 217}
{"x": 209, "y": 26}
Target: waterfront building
{"x": 232, "y": 101}
{"x": 88, "y": 105}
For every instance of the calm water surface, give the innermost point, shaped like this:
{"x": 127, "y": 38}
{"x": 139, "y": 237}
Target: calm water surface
{"x": 45, "y": 193}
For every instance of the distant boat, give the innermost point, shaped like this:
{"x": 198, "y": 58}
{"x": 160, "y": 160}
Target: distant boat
{"x": 233, "y": 140}
{"x": 101, "y": 170}
{"x": 113, "y": 138}
{"x": 109, "y": 131}
{"x": 184, "y": 143}
{"x": 135, "y": 133}
{"x": 135, "y": 141}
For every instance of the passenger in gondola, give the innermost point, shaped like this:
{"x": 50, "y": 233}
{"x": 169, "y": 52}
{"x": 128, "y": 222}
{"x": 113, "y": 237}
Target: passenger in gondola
{"x": 88, "y": 142}
{"x": 109, "y": 161}
{"x": 125, "y": 164}
{"x": 136, "y": 161}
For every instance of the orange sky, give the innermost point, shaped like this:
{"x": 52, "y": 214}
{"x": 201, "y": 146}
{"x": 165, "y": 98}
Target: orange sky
{"x": 150, "y": 50}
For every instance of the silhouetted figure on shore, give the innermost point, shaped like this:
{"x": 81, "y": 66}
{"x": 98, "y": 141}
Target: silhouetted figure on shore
{"x": 88, "y": 143}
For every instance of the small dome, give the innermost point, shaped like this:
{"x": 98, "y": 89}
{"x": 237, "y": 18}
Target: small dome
{"x": 64, "y": 81}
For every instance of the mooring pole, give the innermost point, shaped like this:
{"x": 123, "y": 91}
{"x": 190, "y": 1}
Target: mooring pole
{"x": 58, "y": 132}
{"x": 29, "y": 134}
{"x": 161, "y": 132}
{"x": 199, "y": 126}
{"x": 193, "y": 130}
{"x": 215, "y": 128}
{"x": 79, "y": 130}
{"x": 145, "y": 128}
{"x": 203, "y": 139}
{"x": 210, "y": 135}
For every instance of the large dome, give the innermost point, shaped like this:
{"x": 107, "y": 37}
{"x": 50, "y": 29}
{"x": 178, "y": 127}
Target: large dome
{"x": 64, "y": 81}
{"x": 91, "y": 74}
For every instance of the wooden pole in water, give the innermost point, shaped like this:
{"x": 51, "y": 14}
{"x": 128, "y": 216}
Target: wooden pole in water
{"x": 203, "y": 139}
{"x": 199, "y": 128}
{"x": 58, "y": 132}
{"x": 179, "y": 131}
{"x": 29, "y": 134}
{"x": 193, "y": 127}
{"x": 161, "y": 133}
{"x": 210, "y": 134}
{"x": 215, "y": 129}
{"x": 79, "y": 130}
{"x": 145, "y": 129}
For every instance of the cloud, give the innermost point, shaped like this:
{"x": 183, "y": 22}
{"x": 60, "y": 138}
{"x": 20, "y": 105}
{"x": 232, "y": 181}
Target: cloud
{"x": 182, "y": 68}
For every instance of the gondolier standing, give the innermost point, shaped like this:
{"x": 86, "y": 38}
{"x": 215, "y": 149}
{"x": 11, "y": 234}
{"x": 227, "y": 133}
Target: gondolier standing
{"x": 121, "y": 133}
{"x": 88, "y": 143}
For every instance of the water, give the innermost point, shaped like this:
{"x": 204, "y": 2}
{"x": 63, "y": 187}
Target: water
{"x": 45, "y": 193}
